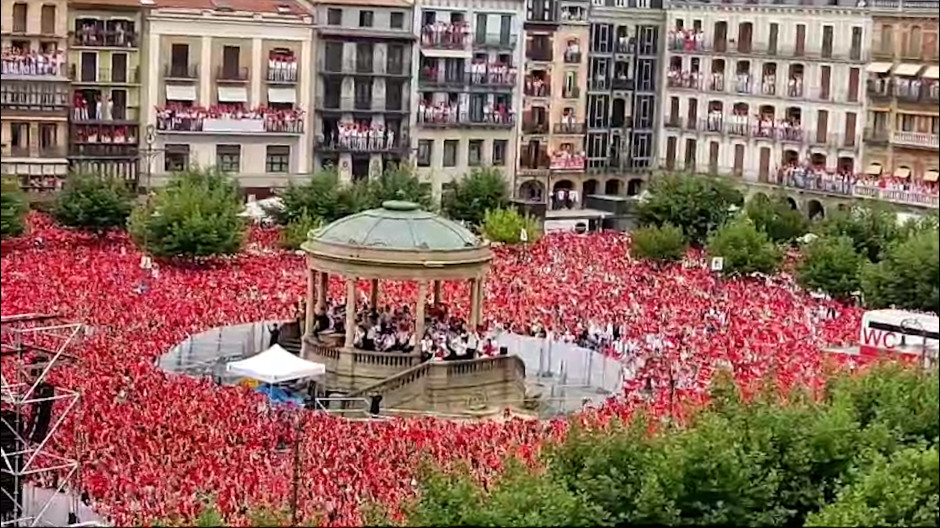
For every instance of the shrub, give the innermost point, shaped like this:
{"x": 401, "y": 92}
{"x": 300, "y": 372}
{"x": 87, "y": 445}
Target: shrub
{"x": 12, "y": 209}
{"x": 398, "y": 182}
{"x": 695, "y": 204}
{"x": 664, "y": 244}
{"x": 908, "y": 277}
{"x": 832, "y": 265}
{"x": 744, "y": 249}
{"x": 872, "y": 228}
{"x": 476, "y": 193}
{"x": 94, "y": 204}
{"x": 777, "y": 219}
{"x": 506, "y": 226}
{"x": 295, "y": 233}
{"x": 196, "y": 215}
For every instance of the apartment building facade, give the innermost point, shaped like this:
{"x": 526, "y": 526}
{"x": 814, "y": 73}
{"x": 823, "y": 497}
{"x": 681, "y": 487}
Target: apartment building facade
{"x": 552, "y": 129}
{"x": 753, "y": 87}
{"x": 467, "y": 96}
{"x": 105, "y": 38}
{"x": 902, "y": 140}
{"x": 229, "y": 84}
{"x": 624, "y": 92}
{"x": 363, "y": 86}
{"x": 34, "y": 94}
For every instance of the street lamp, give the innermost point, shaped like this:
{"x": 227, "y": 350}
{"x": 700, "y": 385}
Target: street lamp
{"x": 914, "y": 324}
{"x": 149, "y": 152}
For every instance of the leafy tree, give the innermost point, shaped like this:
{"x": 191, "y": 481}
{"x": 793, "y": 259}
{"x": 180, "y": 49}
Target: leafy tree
{"x": 196, "y": 215}
{"x": 696, "y": 204}
{"x": 506, "y": 226}
{"x": 296, "y": 232}
{"x": 398, "y": 182}
{"x": 831, "y": 265}
{"x": 94, "y": 204}
{"x": 900, "y": 491}
{"x": 319, "y": 197}
{"x": 908, "y": 277}
{"x": 872, "y": 228}
{"x": 744, "y": 249}
{"x": 666, "y": 243}
{"x": 474, "y": 194}
{"x": 12, "y": 209}
{"x": 774, "y": 216}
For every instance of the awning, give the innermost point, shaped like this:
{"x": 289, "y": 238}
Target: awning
{"x": 874, "y": 169}
{"x": 275, "y": 365}
{"x": 233, "y": 94}
{"x": 902, "y": 172}
{"x": 908, "y": 70}
{"x": 932, "y": 176}
{"x": 932, "y": 72}
{"x": 182, "y": 92}
{"x": 879, "y": 67}
{"x": 282, "y": 95}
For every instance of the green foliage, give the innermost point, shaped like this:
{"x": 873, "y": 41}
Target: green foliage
{"x": 696, "y": 204}
{"x": 295, "y": 233}
{"x": 474, "y": 194}
{"x": 831, "y": 265}
{"x": 196, "y": 215}
{"x": 665, "y": 243}
{"x": 506, "y": 225}
{"x": 900, "y": 491}
{"x": 744, "y": 249}
{"x": 872, "y": 228}
{"x": 94, "y": 204}
{"x": 908, "y": 277}
{"x": 399, "y": 183}
{"x": 776, "y": 218}
{"x": 12, "y": 209}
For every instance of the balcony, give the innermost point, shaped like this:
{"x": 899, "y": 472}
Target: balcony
{"x": 224, "y": 121}
{"x": 281, "y": 72}
{"x": 573, "y": 129}
{"x": 365, "y": 66}
{"x": 536, "y": 89}
{"x": 42, "y": 152}
{"x": 495, "y": 42}
{"x": 534, "y": 164}
{"x": 571, "y": 92}
{"x": 531, "y": 126}
{"x": 877, "y": 135}
{"x": 432, "y": 79}
{"x": 180, "y": 72}
{"x": 22, "y": 96}
{"x": 104, "y": 76}
{"x": 121, "y": 134}
{"x": 923, "y": 140}
{"x": 567, "y": 162}
{"x": 623, "y": 83}
{"x": 673, "y": 122}
{"x": 497, "y": 77}
{"x": 370, "y": 141}
{"x": 897, "y": 196}
{"x": 95, "y": 37}
{"x": 45, "y": 66}
{"x": 445, "y": 117}
{"x": 539, "y": 54}
{"x": 231, "y": 75}
{"x": 572, "y": 57}
{"x": 445, "y": 36}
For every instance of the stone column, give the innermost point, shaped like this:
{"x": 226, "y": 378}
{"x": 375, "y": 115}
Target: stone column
{"x": 419, "y": 312}
{"x": 438, "y": 297}
{"x": 323, "y": 286}
{"x": 350, "y": 311}
{"x": 374, "y": 294}
{"x": 310, "y": 306}
{"x": 476, "y": 300}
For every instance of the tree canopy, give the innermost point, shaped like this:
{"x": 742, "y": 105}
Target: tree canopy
{"x": 831, "y": 265}
{"x": 872, "y": 228}
{"x": 775, "y": 217}
{"x": 909, "y": 275}
{"x": 697, "y": 205}
{"x": 12, "y": 209}
{"x": 94, "y": 204}
{"x": 744, "y": 249}
{"x": 665, "y": 243}
{"x": 506, "y": 226}
{"x": 471, "y": 196}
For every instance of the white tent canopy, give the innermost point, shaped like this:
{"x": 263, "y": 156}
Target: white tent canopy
{"x": 276, "y": 365}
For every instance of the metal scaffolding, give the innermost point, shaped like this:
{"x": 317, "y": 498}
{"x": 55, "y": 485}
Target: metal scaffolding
{"x": 31, "y": 347}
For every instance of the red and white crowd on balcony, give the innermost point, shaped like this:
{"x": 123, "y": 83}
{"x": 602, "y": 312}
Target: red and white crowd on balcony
{"x": 360, "y": 136}
{"x": 448, "y": 112}
{"x": 96, "y": 134}
{"x": 896, "y": 184}
{"x": 282, "y": 67}
{"x": 567, "y": 159}
{"x": 492, "y": 73}
{"x": 816, "y": 178}
{"x": 90, "y": 34}
{"x": 445, "y": 35}
{"x": 183, "y": 118}
{"x": 536, "y": 87}
{"x": 786, "y": 129}
{"x": 16, "y": 61}
{"x": 686, "y": 39}
{"x": 92, "y": 109}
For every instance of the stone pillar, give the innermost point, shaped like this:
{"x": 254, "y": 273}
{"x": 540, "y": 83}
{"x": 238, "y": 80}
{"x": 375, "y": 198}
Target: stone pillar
{"x": 438, "y": 297}
{"x": 419, "y": 312}
{"x": 323, "y": 287}
{"x": 310, "y": 306}
{"x": 374, "y": 294}
{"x": 476, "y": 300}
{"x": 350, "y": 311}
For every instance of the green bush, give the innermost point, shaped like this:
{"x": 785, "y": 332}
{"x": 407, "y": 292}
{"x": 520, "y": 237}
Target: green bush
{"x": 774, "y": 216}
{"x": 12, "y": 209}
{"x": 744, "y": 249}
{"x": 474, "y": 194}
{"x": 697, "y": 205}
{"x": 295, "y": 233}
{"x": 830, "y": 264}
{"x": 663, "y": 244}
{"x": 196, "y": 215}
{"x": 506, "y": 226}
{"x": 94, "y": 204}
{"x": 398, "y": 182}
{"x": 872, "y": 228}
{"x": 908, "y": 277}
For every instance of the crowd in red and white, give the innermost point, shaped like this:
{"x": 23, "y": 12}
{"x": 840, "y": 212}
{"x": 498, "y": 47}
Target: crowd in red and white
{"x": 451, "y": 112}
{"x": 282, "y": 67}
{"x": 907, "y": 185}
{"x": 817, "y": 178}
{"x": 536, "y": 86}
{"x": 358, "y": 135}
{"x": 491, "y": 73}
{"x": 96, "y": 34}
{"x": 186, "y": 118}
{"x": 567, "y": 158}
{"x": 32, "y": 63}
{"x": 445, "y": 35}
{"x": 784, "y": 129}
{"x": 685, "y": 39}
{"x": 153, "y": 446}
{"x": 92, "y": 108}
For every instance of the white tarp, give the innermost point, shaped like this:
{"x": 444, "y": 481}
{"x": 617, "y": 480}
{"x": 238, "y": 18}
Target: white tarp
{"x": 282, "y": 95}
{"x": 275, "y": 365}
{"x": 186, "y": 92}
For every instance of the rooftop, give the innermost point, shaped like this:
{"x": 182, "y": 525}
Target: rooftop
{"x": 280, "y": 7}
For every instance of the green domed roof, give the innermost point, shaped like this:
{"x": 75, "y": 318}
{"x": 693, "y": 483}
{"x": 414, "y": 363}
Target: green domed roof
{"x": 398, "y": 226}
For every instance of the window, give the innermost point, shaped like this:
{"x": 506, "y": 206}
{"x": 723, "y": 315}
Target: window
{"x": 887, "y": 39}
{"x": 228, "y": 158}
{"x": 475, "y": 153}
{"x": 179, "y": 60}
{"x": 365, "y": 19}
{"x": 230, "y": 61}
{"x": 450, "y": 152}
{"x": 334, "y": 17}
{"x": 827, "y": 41}
{"x": 19, "y": 137}
{"x": 772, "y": 39}
{"x": 119, "y": 67}
{"x": 907, "y": 122}
{"x": 47, "y": 136}
{"x": 397, "y": 20}
{"x": 176, "y": 158}
{"x": 855, "y": 51}
{"x": 19, "y": 18}
{"x": 499, "y": 151}
{"x": 278, "y": 159}
{"x": 914, "y": 43}
{"x": 425, "y": 146}
{"x": 119, "y": 104}
{"x": 395, "y": 60}
{"x": 47, "y": 21}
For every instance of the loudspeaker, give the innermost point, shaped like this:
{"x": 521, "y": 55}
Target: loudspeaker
{"x": 504, "y": 351}
{"x": 376, "y": 404}
{"x": 11, "y": 493}
{"x": 42, "y": 412}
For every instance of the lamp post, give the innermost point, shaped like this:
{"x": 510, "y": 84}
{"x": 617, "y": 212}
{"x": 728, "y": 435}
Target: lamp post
{"x": 149, "y": 152}
{"x": 911, "y": 323}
